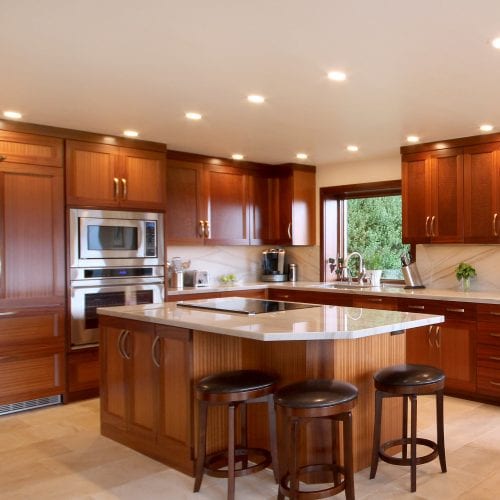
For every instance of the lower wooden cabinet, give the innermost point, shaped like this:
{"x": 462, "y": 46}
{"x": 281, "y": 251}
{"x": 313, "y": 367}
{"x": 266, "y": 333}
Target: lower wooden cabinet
{"x": 146, "y": 395}
{"x": 82, "y": 371}
{"x": 450, "y": 346}
{"x": 31, "y": 354}
{"x": 311, "y": 297}
{"x": 488, "y": 350}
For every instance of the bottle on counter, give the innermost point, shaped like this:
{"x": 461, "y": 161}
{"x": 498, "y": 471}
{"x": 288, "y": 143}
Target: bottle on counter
{"x": 292, "y": 272}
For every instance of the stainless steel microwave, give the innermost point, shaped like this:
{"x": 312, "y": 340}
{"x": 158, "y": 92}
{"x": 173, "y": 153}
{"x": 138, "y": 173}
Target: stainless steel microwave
{"x": 115, "y": 238}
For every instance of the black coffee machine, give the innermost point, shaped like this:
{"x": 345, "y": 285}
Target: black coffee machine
{"x": 273, "y": 265}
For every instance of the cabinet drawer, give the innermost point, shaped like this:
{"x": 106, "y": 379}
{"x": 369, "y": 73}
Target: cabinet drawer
{"x": 488, "y": 333}
{"x": 369, "y": 302}
{"x": 488, "y": 381}
{"x": 489, "y": 312}
{"x": 488, "y": 356}
{"x": 451, "y": 310}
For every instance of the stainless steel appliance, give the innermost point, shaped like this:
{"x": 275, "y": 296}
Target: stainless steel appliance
{"x": 196, "y": 278}
{"x": 116, "y": 258}
{"x": 115, "y": 238}
{"x": 273, "y": 265}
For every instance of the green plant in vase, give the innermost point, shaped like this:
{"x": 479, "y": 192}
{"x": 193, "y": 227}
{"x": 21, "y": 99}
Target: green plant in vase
{"x": 464, "y": 272}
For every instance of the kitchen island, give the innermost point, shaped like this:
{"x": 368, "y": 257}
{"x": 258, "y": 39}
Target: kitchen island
{"x": 152, "y": 356}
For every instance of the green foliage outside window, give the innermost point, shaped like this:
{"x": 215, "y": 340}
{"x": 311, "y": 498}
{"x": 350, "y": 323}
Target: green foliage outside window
{"x": 374, "y": 230}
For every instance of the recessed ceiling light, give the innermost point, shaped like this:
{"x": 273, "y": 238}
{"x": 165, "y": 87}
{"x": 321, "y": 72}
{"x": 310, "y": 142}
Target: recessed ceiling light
{"x": 237, "y": 156}
{"x": 486, "y": 127}
{"x": 256, "y": 99}
{"x": 301, "y": 156}
{"x": 352, "y": 148}
{"x": 193, "y": 116}
{"x": 496, "y": 43}
{"x": 131, "y": 133}
{"x": 337, "y": 76}
{"x": 412, "y": 138}
{"x": 15, "y": 115}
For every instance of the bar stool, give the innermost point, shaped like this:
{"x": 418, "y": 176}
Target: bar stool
{"x": 408, "y": 381}
{"x": 235, "y": 389}
{"x": 309, "y": 400}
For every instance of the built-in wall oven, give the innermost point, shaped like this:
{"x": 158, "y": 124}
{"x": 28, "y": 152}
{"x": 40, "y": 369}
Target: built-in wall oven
{"x": 117, "y": 258}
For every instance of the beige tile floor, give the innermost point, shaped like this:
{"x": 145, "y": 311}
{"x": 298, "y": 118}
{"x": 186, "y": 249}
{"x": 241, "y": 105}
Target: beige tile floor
{"x": 58, "y": 453}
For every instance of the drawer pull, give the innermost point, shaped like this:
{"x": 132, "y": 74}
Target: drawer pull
{"x": 420, "y": 308}
{"x": 494, "y": 334}
{"x": 3, "y": 158}
{"x": 494, "y": 313}
{"x": 495, "y": 358}
{"x": 373, "y": 300}
{"x": 495, "y": 383}
{"x": 455, "y": 310}
{"x": 7, "y": 313}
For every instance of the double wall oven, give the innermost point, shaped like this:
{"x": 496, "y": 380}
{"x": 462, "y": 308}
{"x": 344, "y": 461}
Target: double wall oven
{"x": 116, "y": 258}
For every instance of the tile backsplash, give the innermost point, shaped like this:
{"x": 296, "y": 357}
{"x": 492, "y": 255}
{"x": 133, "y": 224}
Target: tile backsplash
{"x": 244, "y": 261}
{"x": 437, "y": 263}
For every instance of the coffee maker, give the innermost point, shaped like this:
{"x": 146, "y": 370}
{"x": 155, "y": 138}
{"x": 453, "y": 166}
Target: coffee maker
{"x": 273, "y": 265}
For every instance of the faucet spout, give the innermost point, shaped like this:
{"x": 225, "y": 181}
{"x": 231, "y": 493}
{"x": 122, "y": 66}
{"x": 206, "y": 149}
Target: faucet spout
{"x": 362, "y": 270}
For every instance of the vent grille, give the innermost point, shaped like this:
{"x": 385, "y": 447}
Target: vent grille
{"x": 30, "y": 405}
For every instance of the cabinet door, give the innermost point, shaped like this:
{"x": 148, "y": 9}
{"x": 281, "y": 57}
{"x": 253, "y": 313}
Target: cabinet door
{"x": 175, "y": 427}
{"x": 415, "y": 192}
{"x": 303, "y": 223}
{"x": 482, "y": 194}
{"x": 32, "y": 354}
{"x": 31, "y": 235}
{"x": 420, "y": 347}
{"x": 142, "y": 179}
{"x": 456, "y": 341}
{"x": 17, "y": 147}
{"x": 263, "y": 210}
{"x": 113, "y": 381}
{"x": 141, "y": 382}
{"x": 186, "y": 206}
{"x": 92, "y": 174}
{"x": 446, "y": 223}
{"x": 228, "y": 211}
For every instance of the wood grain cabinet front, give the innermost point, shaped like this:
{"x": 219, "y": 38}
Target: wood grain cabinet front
{"x": 488, "y": 350}
{"x": 101, "y": 175}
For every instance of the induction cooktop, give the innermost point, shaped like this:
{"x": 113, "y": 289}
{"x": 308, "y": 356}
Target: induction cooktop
{"x": 244, "y": 306}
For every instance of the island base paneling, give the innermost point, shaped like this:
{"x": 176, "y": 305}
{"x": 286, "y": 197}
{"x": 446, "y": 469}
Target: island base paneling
{"x": 203, "y": 353}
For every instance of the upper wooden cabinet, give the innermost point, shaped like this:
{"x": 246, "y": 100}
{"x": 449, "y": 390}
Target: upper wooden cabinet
{"x": 432, "y": 193}
{"x": 220, "y": 204}
{"x": 100, "y": 175}
{"x": 17, "y": 147}
{"x": 482, "y": 193}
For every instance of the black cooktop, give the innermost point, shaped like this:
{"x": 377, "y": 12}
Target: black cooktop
{"x": 244, "y": 306}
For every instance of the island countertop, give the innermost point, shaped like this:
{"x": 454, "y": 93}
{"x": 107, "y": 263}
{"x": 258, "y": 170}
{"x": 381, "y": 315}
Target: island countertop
{"x": 321, "y": 322}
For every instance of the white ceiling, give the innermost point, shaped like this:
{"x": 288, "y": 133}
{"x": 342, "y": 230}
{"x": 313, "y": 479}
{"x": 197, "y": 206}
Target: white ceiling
{"x": 423, "y": 67}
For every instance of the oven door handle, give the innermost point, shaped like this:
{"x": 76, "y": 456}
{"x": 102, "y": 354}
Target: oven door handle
{"x": 122, "y": 339}
{"x": 154, "y": 352}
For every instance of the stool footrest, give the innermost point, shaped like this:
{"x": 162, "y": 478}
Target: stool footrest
{"x": 315, "y": 494}
{"x": 215, "y": 461}
{"x": 407, "y": 461}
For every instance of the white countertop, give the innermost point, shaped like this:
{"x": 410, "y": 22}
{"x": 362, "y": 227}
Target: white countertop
{"x": 315, "y": 323}
{"x": 486, "y": 297}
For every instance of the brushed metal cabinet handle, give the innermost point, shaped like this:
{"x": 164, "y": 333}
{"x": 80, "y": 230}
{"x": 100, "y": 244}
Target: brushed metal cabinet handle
{"x": 154, "y": 354}
{"x": 3, "y": 158}
{"x": 438, "y": 337}
{"x": 494, "y": 313}
{"x": 427, "y": 219}
{"x": 116, "y": 191}
{"x": 494, "y": 383}
{"x": 125, "y": 189}
{"x": 373, "y": 300}
{"x": 289, "y": 230}
{"x": 207, "y": 229}
{"x": 119, "y": 345}
{"x": 201, "y": 228}
{"x": 494, "y": 224}
{"x": 494, "y": 334}
{"x": 8, "y": 313}
{"x": 122, "y": 344}
{"x": 429, "y": 336}
{"x": 433, "y": 218}
{"x": 455, "y": 310}
{"x": 420, "y": 308}
{"x": 495, "y": 358}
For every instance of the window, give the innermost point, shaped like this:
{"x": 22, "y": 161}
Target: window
{"x": 364, "y": 218}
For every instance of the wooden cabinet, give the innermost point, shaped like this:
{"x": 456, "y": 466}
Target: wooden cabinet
{"x": 450, "y": 345}
{"x": 432, "y": 194}
{"x": 488, "y": 351}
{"x": 311, "y": 297}
{"x": 82, "y": 370}
{"x": 482, "y": 193}
{"x": 219, "y": 204}
{"x": 251, "y": 294}
{"x": 100, "y": 175}
{"x": 146, "y": 394}
{"x": 374, "y": 302}
{"x": 32, "y": 283}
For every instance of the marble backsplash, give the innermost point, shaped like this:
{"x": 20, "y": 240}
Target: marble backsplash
{"x": 437, "y": 263}
{"x": 244, "y": 261}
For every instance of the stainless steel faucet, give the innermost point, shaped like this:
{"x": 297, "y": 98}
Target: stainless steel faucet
{"x": 362, "y": 270}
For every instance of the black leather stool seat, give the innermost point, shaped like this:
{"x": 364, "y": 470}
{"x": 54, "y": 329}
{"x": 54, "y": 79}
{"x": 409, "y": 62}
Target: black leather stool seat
{"x": 313, "y": 400}
{"x": 315, "y": 394}
{"x": 409, "y": 375}
{"x": 236, "y": 381}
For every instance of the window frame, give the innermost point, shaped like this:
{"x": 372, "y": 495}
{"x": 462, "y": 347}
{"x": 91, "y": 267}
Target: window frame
{"x": 332, "y": 212}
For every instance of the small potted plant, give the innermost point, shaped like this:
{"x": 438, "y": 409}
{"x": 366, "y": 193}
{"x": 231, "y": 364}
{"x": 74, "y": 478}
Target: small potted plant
{"x": 464, "y": 272}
